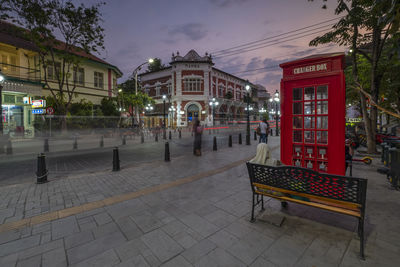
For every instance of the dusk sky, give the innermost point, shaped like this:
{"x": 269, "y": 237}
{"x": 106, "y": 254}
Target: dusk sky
{"x": 141, "y": 29}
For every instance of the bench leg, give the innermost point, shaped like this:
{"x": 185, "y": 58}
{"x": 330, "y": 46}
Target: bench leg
{"x": 252, "y": 219}
{"x": 262, "y": 202}
{"x": 284, "y": 204}
{"x": 361, "y": 235}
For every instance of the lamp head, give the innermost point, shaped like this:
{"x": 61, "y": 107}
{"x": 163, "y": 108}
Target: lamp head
{"x": 247, "y": 87}
{"x": 164, "y": 96}
{"x": 270, "y": 100}
{"x": 151, "y": 60}
{"x": 1, "y": 78}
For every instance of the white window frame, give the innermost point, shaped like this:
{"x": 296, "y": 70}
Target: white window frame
{"x": 79, "y": 75}
{"x": 98, "y": 79}
{"x": 192, "y": 83}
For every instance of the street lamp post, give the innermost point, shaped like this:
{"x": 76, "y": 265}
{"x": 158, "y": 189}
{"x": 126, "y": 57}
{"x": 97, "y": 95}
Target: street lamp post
{"x": 213, "y": 105}
{"x": 248, "y": 115}
{"x": 276, "y": 99}
{"x": 1, "y": 103}
{"x": 135, "y": 73}
{"x": 164, "y": 97}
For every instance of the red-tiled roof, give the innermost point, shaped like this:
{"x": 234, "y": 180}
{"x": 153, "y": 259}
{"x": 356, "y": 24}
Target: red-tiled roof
{"x": 9, "y": 34}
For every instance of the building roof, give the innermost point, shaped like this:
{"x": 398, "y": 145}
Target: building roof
{"x": 191, "y": 56}
{"x": 10, "y": 34}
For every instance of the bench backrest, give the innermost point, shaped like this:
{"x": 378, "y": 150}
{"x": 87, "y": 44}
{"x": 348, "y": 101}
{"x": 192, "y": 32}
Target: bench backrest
{"x": 349, "y": 189}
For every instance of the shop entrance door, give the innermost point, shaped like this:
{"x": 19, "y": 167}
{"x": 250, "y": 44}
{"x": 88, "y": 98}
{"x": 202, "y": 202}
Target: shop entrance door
{"x": 193, "y": 113}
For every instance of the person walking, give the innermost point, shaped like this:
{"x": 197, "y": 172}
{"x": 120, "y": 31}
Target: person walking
{"x": 264, "y": 131}
{"x": 198, "y": 131}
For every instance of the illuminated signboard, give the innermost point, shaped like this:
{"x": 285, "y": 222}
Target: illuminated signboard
{"x": 38, "y": 111}
{"x": 38, "y": 103}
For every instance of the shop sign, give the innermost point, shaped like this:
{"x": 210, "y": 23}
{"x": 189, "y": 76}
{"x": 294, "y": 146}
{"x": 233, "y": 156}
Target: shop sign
{"x": 38, "y": 103}
{"x": 311, "y": 68}
{"x": 354, "y": 120}
{"x": 38, "y": 111}
{"x": 27, "y": 100}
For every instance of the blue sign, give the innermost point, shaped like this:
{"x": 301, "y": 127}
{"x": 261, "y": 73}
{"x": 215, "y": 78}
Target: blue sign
{"x": 38, "y": 111}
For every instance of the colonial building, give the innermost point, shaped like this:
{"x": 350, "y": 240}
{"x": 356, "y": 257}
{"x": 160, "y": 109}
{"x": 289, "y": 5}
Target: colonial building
{"x": 24, "y": 78}
{"x": 189, "y": 84}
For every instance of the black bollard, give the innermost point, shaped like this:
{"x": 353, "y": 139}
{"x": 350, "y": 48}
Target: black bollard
{"x": 164, "y": 134}
{"x": 240, "y": 138}
{"x": 230, "y": 141}
{"x": 102, "y": 141}
{"x": 209, "y": 131}
{"x": 169, "y": 135}
{"x": 156, "y": 137}
{"x": 46, "y": 145}
{"x": 180, "y": 133}
{"x": 166, "y": 156}
{"x": 75, "y": 146}
{"x": 116, "y": 166}
{"x": 255, "y": 135}
{"x": 9, "y": 149}
{"x": 123, "y": 140}
{"x": 41, "y": 174}
{"x": 271, "y": 132}
{"x": 215, "y": 144}
{"x": 142, "y": 138}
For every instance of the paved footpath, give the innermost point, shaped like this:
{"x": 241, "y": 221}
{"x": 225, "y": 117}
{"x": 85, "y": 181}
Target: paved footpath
{"x": 192, "y": 211}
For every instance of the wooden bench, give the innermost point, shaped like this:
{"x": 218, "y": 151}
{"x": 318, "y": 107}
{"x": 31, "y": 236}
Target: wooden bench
{"x": 335, "y": 193}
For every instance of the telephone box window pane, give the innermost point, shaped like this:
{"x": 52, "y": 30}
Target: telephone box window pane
{"x": 297, "y": 108}
{"x": 322, "y": 137}
{"x": 309, "y": 137}
{"x": 309, "y": 93}
{"x": 322, "y": 92}
{"x": 309, "y": 108}
{"x": 308, "y": 122}
{"x": 297, "y": 123}
{"x": 322, "y": 107}
{"x": 297, "y": 94}
{"x": 297, "y": 136}
{"x": 322, "y": 122}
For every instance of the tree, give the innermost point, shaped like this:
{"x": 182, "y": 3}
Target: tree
{"x": 366, "y": 26}
{"x": 156, "y": 65}
{"x": 109, "y": 107}
{"x": 80, "y": 32}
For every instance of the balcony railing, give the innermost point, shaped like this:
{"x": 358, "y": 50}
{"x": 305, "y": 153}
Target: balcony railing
{"x": 20, "y": 73}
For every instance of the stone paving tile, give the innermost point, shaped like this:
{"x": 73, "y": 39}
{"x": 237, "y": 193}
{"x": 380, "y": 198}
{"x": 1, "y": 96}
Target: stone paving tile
{"x": 260, "y": 262}
{"x": 196, "y": 252}
{"x": 174, "y": 227}
{"x": 128, "y": 228}
{"x": 40, "y": 249}
{"x": 198, "y": 224}
{"x": 54, "y": 258}
{"x": 163, "y": 246}
{"x": 177, "y": 261}
{"x": 220, "y": 218}
{"x": 146, "y": 221}
{"x": 9, "y": 260}
{"x": 78, "y": 239}
{"x": 9, "y": 236}
{"x": 218, "y": 257}
{"x": 285, "y": 251}
{"x": 137, "y": 261}
{"x": 95, "y": 247}
{"x": 64, "y": 227}
{"x": 102, "y": 218}
{"x": 19, "y": 245}
{"x": 105, "y": 229}
{"x": 132, "y": 248}
{"x": 107, "y": 258}
{"x": 35, "y": 261}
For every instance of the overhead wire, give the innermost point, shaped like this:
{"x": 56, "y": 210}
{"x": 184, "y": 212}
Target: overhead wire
{"x": 258, "y": 42}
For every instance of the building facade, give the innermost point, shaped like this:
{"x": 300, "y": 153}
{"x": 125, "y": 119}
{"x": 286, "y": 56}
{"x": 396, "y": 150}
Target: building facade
{"x": 190, "y": 83}
{"x": 24, "y": 79}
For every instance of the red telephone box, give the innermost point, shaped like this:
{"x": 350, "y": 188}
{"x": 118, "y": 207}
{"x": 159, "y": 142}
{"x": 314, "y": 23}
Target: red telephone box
{"x": 313, "y": 113}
